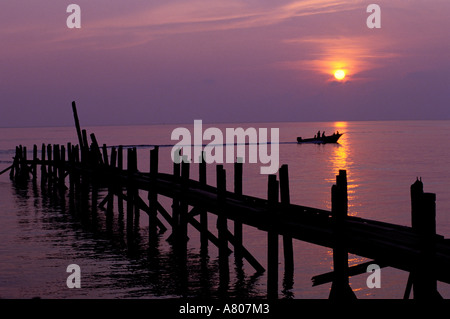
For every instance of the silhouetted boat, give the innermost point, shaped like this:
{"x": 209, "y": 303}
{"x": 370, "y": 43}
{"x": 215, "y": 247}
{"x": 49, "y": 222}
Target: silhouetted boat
{"x": 320, "y": 140}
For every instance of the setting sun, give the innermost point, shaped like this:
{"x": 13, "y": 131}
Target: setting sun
{"x": 339, "y": 75}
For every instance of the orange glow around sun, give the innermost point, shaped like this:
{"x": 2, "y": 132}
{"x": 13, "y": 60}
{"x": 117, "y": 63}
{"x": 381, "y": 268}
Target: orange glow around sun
{"x": 339, "y": 74}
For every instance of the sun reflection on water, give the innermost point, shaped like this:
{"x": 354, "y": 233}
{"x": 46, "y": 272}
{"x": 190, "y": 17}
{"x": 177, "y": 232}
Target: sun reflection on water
{"x": 341, "y": 159}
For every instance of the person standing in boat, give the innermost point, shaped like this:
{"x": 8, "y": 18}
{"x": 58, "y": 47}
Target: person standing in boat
{"x": 323, "y": 134}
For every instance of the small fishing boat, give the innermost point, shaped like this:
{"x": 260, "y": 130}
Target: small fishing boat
{"x": 321, "y": 139}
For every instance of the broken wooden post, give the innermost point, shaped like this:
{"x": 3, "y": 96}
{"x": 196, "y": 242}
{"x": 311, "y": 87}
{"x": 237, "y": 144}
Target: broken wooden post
{"x": 97, "y": 157}
{"x": 340, "y": 288}
{"x": 272, "y": 238}
{"x": 77, "y": 124}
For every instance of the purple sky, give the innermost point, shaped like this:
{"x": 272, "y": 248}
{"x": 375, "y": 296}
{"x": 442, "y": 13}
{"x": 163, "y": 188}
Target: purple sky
{"x": 143, "y": 62}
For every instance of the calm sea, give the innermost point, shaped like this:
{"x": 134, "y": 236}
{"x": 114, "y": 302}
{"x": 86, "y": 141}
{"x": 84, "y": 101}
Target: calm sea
{"x": 39, "y": 238}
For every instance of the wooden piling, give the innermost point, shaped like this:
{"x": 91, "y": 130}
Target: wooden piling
{"x": 152, "y": 193}
{"x": 57, "y": 163}
{"x": 71, "y": 171}
{"x": 203, "y": 213}
{"x": 238, "y": 234}
{"x": 423, "y": 223}
{"x": 288, "y": 251}
{"x": 75, "y": 172}
{"x": 77, "y": 124}
{"x": 23, "y": 165}
{"x": 176, "y": 198}
{"x": 120, "y": 186}
{"x": 131, "y": 169}
{"x": 15, "y": 172}
{"x": 272, "y": 238}
{"x": 85, "y": 146}
{"x": 97, "y": 157}
{"x": 34, "y": 163}
{"x": 222, "y": 227}
{"x": 62, "y": 169}
{"x": 340, "y": 288}
{"x": 111, "y": 183}
{"x": 50, "y": 166}
{"x": 13, "y": 166}
{"x": 183, "y": 206}
{"x": 43, "y": 165}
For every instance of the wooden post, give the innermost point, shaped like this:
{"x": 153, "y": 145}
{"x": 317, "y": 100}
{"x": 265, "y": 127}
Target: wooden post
{"x": 152, "y": 193}
{"x": 71, "y": 169}
{"x": 62, "y": 169}
{"x": 43, "y": 166}
{"x": 75, "y": 173}
{"x": 97, "y": 155}
{"x": 111, "y": 182}
{"x": 136, "y": 197}
{"x": 77, "y": 124}
{"x": 287, "y": 240}
{"x": 14, "y": 167}
{"x": 84, "y": 185}
{"x": 23, "y": 165}
{"x": 222, "y": 226}
{"x": 94, "y": 179}
{"x": 85, "y": 148}
{"x": 119, "y": 186}
{"x": 131, "y": 169}
{"x": 50, "y": 165}
{"x": 57, "y": 161}
{"x": 238, "y": 235}
{"x": 340, "y": 288}
{"x": 203, "y": 213}
{"x": 16, "y": 164}
{"x": 34, "y": 165}
{"x": 272, "y": 239}
{"x": 176, "y": 200}
{"x": 183, "y": 208}
{"x": 105, "y": 155}
{"x": 423, "y": 222}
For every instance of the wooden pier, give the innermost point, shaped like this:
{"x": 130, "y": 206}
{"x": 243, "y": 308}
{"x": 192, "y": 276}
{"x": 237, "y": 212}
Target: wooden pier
{"x": 90, "y": 168}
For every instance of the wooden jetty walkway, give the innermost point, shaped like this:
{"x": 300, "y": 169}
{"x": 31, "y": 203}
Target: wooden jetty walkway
{"x": 88, "y": 167}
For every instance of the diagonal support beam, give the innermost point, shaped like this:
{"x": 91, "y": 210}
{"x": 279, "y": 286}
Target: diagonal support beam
{"x": 352, "y": 271}
{"x": 245, "y": 253}
{"x": 212, "y": 238}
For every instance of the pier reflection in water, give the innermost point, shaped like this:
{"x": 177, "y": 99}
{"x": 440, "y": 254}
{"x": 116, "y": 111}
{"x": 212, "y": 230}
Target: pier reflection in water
{"x": 115, "y": 264}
